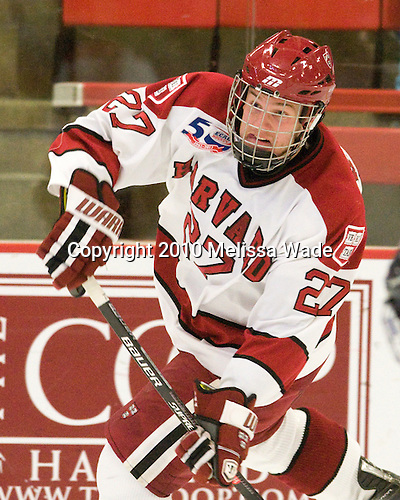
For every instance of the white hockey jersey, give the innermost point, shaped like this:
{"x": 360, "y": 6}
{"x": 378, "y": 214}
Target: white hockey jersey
{"x": 250, "y": 270}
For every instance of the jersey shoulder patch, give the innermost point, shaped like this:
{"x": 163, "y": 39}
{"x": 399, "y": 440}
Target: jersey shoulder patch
{"x": 208, "y": 92}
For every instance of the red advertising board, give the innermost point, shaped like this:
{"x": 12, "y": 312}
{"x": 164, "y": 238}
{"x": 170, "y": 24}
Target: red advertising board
{"x": 63, "y": 372}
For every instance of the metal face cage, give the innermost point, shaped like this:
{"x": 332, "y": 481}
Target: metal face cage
{"x": 267, "y": 130}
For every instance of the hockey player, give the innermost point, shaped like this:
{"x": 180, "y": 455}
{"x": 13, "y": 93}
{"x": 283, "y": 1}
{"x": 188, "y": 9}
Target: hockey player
{"x": 392, "y": 305}
{"x": 267, "y": 210}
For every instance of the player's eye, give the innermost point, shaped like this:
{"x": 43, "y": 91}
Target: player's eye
{"x": 285, "y": 113}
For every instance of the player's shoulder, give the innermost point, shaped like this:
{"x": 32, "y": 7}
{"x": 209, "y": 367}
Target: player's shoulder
{"x": 332, "y": 183}
{"x": 208, "y": 92}
{"x": 330, "y": 174}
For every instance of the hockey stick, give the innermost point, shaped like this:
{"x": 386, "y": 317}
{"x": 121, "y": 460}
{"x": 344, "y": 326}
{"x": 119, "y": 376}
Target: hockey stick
{"x": 153, "y": 374}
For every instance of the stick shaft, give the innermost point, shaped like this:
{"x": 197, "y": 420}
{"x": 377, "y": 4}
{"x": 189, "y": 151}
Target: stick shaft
{"x": 153, "y": 374}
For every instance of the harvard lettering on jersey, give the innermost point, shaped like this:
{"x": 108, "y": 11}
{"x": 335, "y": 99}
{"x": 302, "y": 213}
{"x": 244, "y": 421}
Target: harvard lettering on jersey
{"x": 250, "y": 272}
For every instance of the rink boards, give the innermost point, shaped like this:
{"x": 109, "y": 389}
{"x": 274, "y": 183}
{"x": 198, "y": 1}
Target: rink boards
{"x": 63, "y": 373}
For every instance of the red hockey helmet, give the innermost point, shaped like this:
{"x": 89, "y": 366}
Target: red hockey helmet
{"x": 293, "y": 70}
{"x": 297, "y": 68}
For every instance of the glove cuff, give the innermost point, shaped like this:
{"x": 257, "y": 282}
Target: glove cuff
{"x": 239, "y": 416}
{"x": 94, "y": 212}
